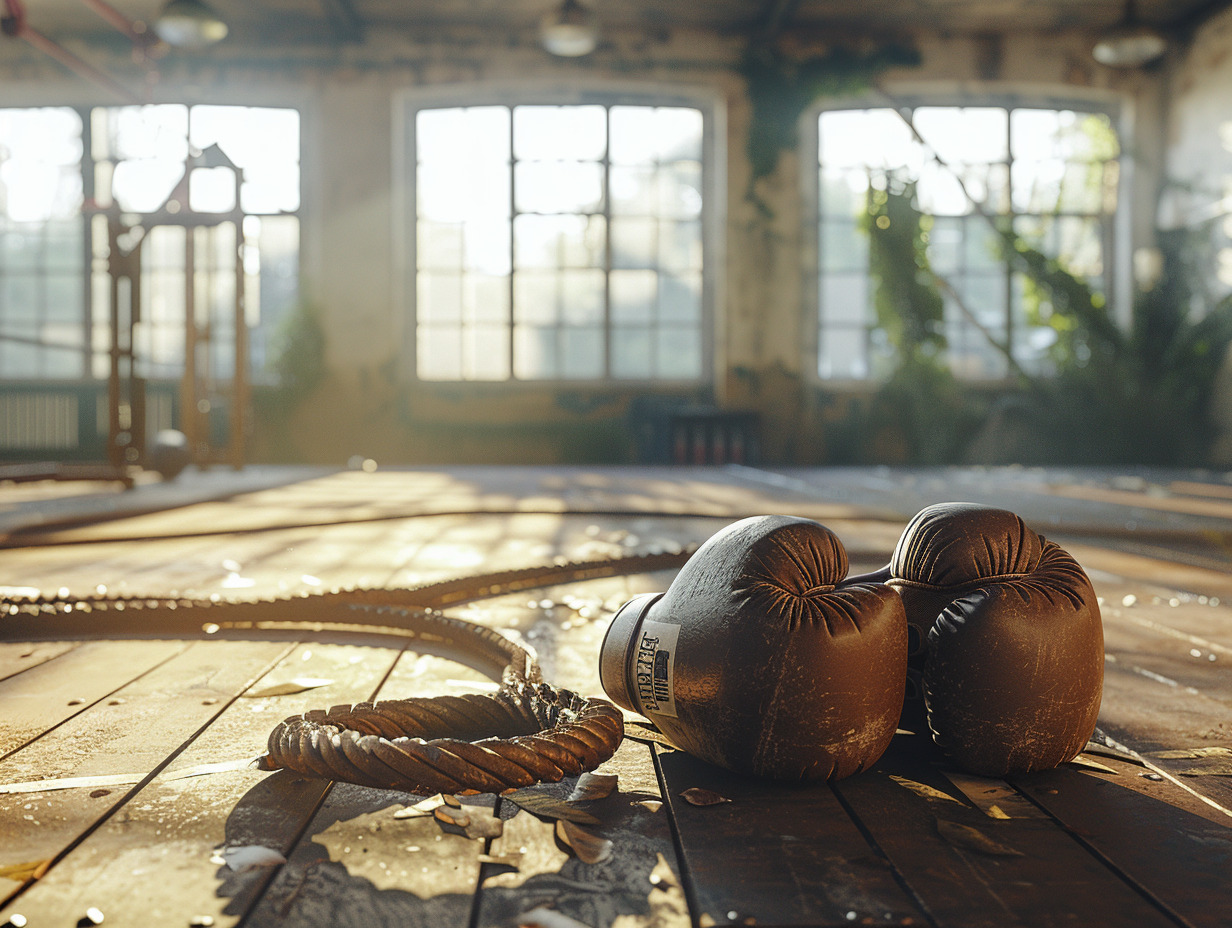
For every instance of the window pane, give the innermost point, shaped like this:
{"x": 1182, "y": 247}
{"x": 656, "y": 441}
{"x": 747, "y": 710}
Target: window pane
{"x": 558, "y": 241}
{"x": 845, "y": 299}
{"x": 634, "y": 295}
{"x": 63, "y": 244}
{"x": 680, "y": 298}
{"x": 582, "y": 297}
{"x": 534, "y": 352}
{"x": 632, "y": 352}
{"x": 842, "y": 354}
{"x": 867, "y": 138}
{"x": 536, "y": 297}
{"x": 582, "y": 353}
{"x": 844, "y": 246}
{"x": 635, "y": 243}
{"x": 439, "y": 298}
{"x": 644, "y": 134}
{"x": 680, "y": 245}
{"x": 633, "y": 190}
{"x": 439, "y": 245}
{"x": 475, "y": 135}
{"x": 456, "y": 192}
{"x": 843, "y": 193}
{"x": 1056, "y": 169}
{"x": 680, "y": 185}
{"x": 964, "y": 135}
{"x": 211, "y": 190}
{"x": 439, "y": 352}
{"x": 487, "y": 352}
{"x": 558, "y": 186}
{"x": 559, "y": 132}
{"x": 585, "y": 294}
{"x": 65, "y": 300}
{"x": 487, "y": 299}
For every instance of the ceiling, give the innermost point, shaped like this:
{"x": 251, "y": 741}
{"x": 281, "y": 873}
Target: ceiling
{"x": 256, "y": 21}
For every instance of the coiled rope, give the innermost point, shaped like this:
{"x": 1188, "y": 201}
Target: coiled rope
{"x": 527, "y": 732}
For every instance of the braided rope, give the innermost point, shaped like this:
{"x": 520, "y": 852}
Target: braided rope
{"x": 528, "y": 733}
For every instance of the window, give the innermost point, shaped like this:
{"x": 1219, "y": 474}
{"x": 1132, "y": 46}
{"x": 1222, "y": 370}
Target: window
{"x": 1055, "y": 172}
{"x": 42, "y": 244}
{"x": 54, "y": 320}
{"x": 559, "y": 242}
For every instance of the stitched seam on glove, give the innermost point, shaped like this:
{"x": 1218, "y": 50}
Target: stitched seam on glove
{"x": 961, "y": 587}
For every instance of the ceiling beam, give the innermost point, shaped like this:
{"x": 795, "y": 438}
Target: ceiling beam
{"x": 1197, "y": 16}
{"x": 344, "y": 20}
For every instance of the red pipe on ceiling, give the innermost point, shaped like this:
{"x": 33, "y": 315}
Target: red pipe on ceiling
{"x": 14, "y": 25}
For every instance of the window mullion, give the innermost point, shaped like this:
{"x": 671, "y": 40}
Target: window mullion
{"x": 513, "y": 199}
{"x": 607, "y": 245}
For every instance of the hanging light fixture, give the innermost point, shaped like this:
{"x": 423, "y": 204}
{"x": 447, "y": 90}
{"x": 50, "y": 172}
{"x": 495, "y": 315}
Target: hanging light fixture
{"x": 1130, "y": 43}
{"x": 189, "y": 24}
{"x": 570, "y": 31}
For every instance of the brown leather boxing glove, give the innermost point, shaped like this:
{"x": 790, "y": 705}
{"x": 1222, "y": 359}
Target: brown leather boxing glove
{"x": 1006, "y": 636}
{"x": 754, "y": 660}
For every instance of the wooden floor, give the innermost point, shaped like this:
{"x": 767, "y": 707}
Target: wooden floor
{"x": 126, "y": 792}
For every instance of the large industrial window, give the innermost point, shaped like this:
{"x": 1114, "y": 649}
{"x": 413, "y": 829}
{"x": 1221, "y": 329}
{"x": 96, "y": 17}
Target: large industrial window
{"x": 42, "y": 244}
{"x": 1054, "y": 172}
{"x": 61, "y": 169}
{"x": 559, "y": 243}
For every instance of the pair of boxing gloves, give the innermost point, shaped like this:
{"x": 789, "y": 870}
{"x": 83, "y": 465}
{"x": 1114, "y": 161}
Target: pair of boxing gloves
{"x": 765, "y": 658}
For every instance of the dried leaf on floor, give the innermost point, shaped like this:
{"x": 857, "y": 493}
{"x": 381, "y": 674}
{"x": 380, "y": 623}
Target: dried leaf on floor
{"x": 1104, "y": 750}
{"x": 650, "y": 805}
{"x": 1223, "y": 769}
{"x": 1193, "y": 753}
{"x": 473, "y": 821}
{"x": 545, "y": 806}
{"x": 290, "y": 687}
{"x": 421, "y": 809}
{"x": 31, "y": 870}
{"x": 923, "y": 790}
{"x": 593, "y": 786}
{"x": 1089, "y": 764}
{"x": 589, "y": 848}
{"x": 696, "y": 796}
{"x": 548, "y": 918}
{"x": 973, "y": 839}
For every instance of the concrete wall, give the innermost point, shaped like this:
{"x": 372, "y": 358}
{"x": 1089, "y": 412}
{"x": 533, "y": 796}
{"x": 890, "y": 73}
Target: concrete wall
{"x": 351, "y": 264}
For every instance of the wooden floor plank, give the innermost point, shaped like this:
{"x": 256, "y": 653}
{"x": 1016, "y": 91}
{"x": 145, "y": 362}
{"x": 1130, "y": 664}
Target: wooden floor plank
{"x": 971, "y": 869}
{"x": 639, "y": 885}
{"x": 19, "y": 656}
{"x": 124, "y": 737}
{"x": 359, "y": 865}
{"x": 48, "y": 695}
{"x": 353, "y": 857}
{"x": 777, "y": 854}
{"x": 1178, "y": 858}
{"x": 153, "y": 862}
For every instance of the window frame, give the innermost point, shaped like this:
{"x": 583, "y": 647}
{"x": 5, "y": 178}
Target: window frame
{"x": 1117, "y": 229}
{"x": 92, "y": 327}
{"x": 408, "y": 103}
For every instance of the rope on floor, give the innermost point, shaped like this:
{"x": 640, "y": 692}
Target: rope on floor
{"x": 529, "y": 733}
